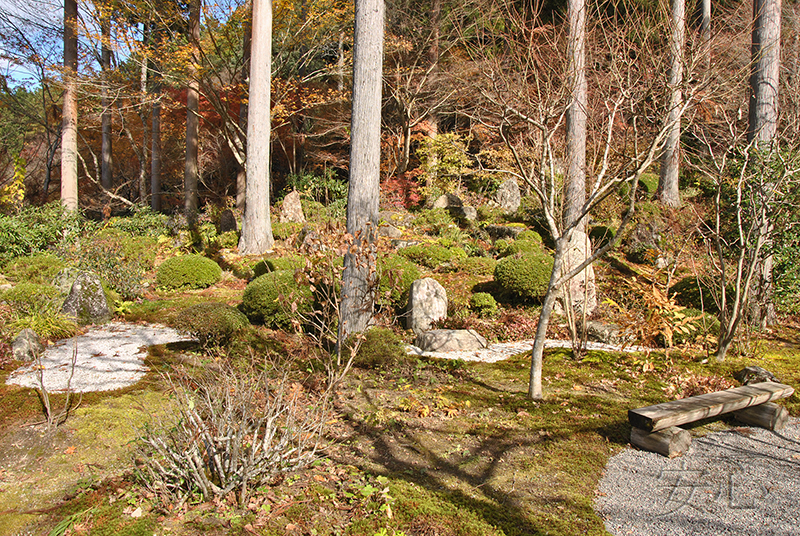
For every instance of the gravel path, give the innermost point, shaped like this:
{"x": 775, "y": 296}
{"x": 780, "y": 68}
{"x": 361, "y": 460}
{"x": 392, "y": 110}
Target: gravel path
{"x": 744, "y": 481}
{"x": 504, "y": 350}
{"x": 108, "y": 358}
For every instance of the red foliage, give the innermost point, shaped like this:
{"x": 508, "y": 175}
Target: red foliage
{"x": 401, "y": 191}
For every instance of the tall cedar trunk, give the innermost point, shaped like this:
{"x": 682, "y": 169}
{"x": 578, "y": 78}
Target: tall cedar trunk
{"x": 574, "y": 186}
{"x": 69, "y": 129}
{"x": 190, "y": 174}
{"x": 365, "y": 152}
{"x": 705, "y": 32}
{"x": 256, "y": 237}
{"x": 155, "y": 158}
{"x": 241, "y": 175}
{"x": 144, "y": 109}
{"x": 763, "y": 122}
{"x": 668, "y": 192}
{"x": 106, "y": 167}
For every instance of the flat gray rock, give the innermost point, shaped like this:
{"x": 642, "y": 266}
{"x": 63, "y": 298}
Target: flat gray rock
{"x": 450, "y": 340}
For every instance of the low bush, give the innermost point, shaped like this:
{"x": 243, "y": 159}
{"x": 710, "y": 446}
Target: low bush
{"x": 285, "y": 230}
{"x": 32, "y": 298}
{"x": 277, "y": 300}
{"x": 524, "y": 276}
{"x": 38, "y": 268}
{"x": 432, "y": 255}
{"x": 695, "y": 326}
{"x": 35, "y": 229}
{"x": 600, "y": 235}
{"x": 477, "y": 265}
{"x": 380, "y": 348}
{"x": 212, "y": 324}
{"x": 483, "y": 304}
{"x": 434, "y": 221}
{"x": 141, "y": 222}
{"x": 527, "y": 243}
{"x": 188, "y": 271}
{"x": 49, "y": 325}
{"x": 227, "y": 240}
{"x": 275, "y": 264}
{"x": 395, "y": 275}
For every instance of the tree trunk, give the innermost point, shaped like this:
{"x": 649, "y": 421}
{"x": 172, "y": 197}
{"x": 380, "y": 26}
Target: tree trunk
{"x": 190, "y": 174}
{"x": 581, "y": 288}
{"x": 256, "y": 237}
{"x": 146, "y": 137}
{"x": 765, "y": 51}
{"x": 365, "y": 152}
{"x": 106, "y": 168}
{"x": 705, "y": 33}
{"x": 763, "y": 122}
{"x": 69, "y": 129}
{"x": 241, "y": 175}
{"x": 155, "y": 158}
{"x": 537, "y": 353}
{"x": 668, "y": 192}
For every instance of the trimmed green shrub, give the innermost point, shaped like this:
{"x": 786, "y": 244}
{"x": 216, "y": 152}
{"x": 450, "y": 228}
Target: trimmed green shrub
{"x": 275, "y": 264}
{"x": 32, "y": 298}
{"x": 38, "y": 268}
{"x": 700, "y": 325}
{"x": 188, "y": 271}
{"x": 380, "y": 348}
{"x": 276, "y": 300}
{"x": 477, "y": 265}
{"x": 210, "y": 323}
{"x": 432, "y": 255}
{"x": 483, "y": 303}
{"x": 396, "y": 274}
{"x": 525, "y": 276}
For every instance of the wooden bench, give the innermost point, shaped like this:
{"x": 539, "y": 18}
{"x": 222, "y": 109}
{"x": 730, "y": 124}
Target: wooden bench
{"x": 655, "y": 428}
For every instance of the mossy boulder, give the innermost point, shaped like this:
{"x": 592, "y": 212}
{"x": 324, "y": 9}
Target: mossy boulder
{"x": 527, "y": 243}
{"x": 210, "y": 323}
{"x": 188, "y": 271}
{"x": 477, "y": 265}
{"x": 524, "y": 276}
{"x": 277, "y": 300}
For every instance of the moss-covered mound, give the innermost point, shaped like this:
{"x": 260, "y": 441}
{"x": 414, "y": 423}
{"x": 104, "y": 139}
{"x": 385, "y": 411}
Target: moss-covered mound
{"x": 210, "y": 323}
{"x": 524, "y": 276}
{"x": 379, "y": 348}
{"x": 188, "y": 271}
{"x": 701, "y": 294}
{"x": 37, "y": 268}
{"x": 275, "y": 264}
{"x": 433, "y": 255}
{"x": 276, "y": 300}
{"x": 483, "y": 304}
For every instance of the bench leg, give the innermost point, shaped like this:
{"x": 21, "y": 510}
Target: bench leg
{"x": 670, "y": 442}
{"x": 770, "y": 416}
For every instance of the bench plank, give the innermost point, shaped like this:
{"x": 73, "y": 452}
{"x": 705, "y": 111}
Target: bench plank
{"x": 694, "y": 408}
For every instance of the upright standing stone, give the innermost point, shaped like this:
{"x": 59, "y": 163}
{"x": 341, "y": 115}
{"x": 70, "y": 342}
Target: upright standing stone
{"x": 508, "y": 196}
{"x": 86, "y": 302}
{"x": 427, "y": 303}
{"x": 582, "y": 288}
{"x": 227, "y": 222}
{"x": 292, "y": 209}
{"x": 26, "y": 345}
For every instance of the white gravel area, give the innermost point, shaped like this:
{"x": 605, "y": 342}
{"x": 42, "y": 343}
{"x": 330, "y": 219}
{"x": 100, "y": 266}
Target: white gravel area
{"x": 743, "y": 481}
{"x": 108, "y": 357}
{"x": 504, "y": 350}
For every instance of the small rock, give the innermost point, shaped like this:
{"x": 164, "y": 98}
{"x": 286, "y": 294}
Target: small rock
{"x": 390, "y": 231}
{"x": 496, "y": 232}
{"x": 292, "y": 209}
{"x": 754, "y": 374}
{"x": 508, "y": 196}
{"x": 427, "y": 303}
{"x": 448, "y": 201}
{"x": 606, "y": 333}
{"x": 400, "y": 244}
{"x": 450, "y": 340}
{"x": 26, "y": 346}
{"x": 466, "y": 212}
